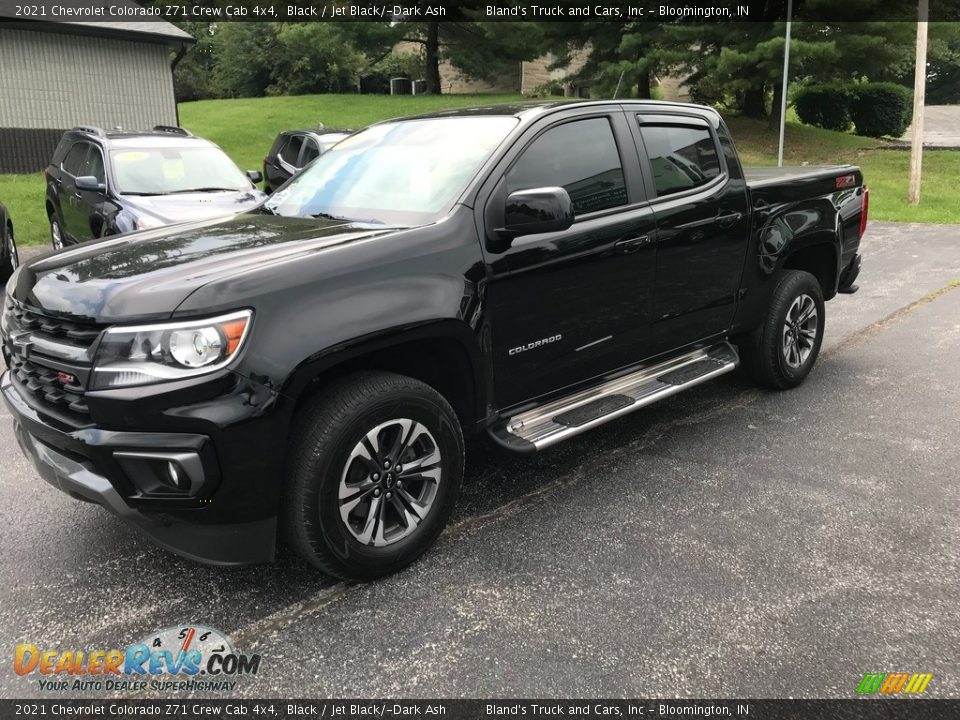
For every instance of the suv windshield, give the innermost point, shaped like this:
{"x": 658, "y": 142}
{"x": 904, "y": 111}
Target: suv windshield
{"x": 161, "y": 171}
{"x": 398, "y": 173}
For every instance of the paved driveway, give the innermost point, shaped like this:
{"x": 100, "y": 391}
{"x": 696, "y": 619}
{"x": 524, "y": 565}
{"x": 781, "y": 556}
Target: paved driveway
{"x": 727, "y": 542}
{"x": 941, "y": 127}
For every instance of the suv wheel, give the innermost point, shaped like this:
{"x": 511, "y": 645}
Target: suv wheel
{"x": 781, "y": 352}
{"x": 374, "y": 471}
{"x": 56, "y": 232}
{"x": 12, "y": 256}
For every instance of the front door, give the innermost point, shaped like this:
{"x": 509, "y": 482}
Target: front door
{"x": 568, "y": 306}
{"x": 73, "y": 166}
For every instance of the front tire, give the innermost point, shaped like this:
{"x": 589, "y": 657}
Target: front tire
{"x": 374, "y": 471}
{"x": 56, "y": 232}
{"x": 780, "y": 353}
{"x": 13, "y": 258}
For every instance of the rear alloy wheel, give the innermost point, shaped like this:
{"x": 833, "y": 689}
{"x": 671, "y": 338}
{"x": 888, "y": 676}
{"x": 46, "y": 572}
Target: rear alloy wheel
{"x": 800, "y": 331}
{"x": 781, "y": 352}
{"x": 56, "y": 233}
{"x": 374, "y": 470}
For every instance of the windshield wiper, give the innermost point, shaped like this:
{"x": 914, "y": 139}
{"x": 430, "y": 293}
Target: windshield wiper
{"x": 328, "y": 216}
{"x": 203, "y": 189}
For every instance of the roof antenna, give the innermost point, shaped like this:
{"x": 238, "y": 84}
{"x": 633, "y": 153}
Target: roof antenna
{"x": 618, "y": 84}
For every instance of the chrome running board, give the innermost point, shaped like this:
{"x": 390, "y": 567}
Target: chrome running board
{"x": 558, "y": 420}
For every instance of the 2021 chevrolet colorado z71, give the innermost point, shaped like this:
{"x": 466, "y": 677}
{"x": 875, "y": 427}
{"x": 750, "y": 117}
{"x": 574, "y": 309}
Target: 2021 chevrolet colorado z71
{"x": 309, "y": 368}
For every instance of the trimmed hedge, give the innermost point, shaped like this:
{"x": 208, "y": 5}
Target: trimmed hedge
{"x": 825, "y": 105}
{"x": 880, "y": 109}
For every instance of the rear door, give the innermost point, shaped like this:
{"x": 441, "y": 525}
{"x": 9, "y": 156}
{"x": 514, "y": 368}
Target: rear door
{"x": 700, "y": 205}
{"x": 568, "y": 306}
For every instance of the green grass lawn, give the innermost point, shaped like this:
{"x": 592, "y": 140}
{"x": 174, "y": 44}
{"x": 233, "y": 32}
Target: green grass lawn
{"x": 245, "y": 128}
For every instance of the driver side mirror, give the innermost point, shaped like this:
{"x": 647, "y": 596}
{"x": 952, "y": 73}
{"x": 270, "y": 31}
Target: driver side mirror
{"x": 538, "y": 210}
{"x": 89, "y": 183}
{"x": 255, "y": 176}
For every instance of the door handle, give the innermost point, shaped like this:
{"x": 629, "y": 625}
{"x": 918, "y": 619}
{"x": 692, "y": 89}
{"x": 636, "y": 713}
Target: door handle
{"x": 631, "y": 244}
{"x": 727, "y": 219}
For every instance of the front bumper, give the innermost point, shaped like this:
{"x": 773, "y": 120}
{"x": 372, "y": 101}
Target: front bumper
{"x": 70, "y": 461}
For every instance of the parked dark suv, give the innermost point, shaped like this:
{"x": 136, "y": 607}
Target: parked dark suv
{"x": 9, "y": 258}
{"x": 104, "y": 183}
{"x": 295, "y": 149}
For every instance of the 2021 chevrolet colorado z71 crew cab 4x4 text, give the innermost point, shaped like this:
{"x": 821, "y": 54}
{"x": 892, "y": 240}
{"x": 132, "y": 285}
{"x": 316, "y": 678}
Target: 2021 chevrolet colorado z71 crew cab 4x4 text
{"x": 309, "y": 368}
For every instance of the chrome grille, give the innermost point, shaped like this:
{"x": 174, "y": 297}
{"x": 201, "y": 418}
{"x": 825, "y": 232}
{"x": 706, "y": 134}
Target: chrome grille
{"x": 49, "y": 360}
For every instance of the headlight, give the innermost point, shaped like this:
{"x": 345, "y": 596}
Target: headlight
{"x": 144, "y": 354}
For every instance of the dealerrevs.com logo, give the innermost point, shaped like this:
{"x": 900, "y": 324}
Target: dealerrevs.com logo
{"x": 176, "y": 659}
{"x": 896, "y": 683}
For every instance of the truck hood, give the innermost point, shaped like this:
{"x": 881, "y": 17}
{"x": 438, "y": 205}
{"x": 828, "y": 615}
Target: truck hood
{"x": 194, "y": 206}
{"x": 146, "y": 275}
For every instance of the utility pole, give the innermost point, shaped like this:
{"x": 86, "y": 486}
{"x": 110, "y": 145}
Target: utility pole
{"x": 783, "y": 91}
{"x": 919, "y": 88}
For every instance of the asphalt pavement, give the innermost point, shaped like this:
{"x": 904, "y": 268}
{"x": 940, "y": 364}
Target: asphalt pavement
{"x": 727, "y": 542}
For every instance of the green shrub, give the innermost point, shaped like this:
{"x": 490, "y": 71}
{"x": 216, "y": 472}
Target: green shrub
{"x": 881, "y": 109}
{"x": 824, "y": 106}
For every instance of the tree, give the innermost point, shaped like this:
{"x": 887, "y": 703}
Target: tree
{"x": 478, "y": 48}
{"x": 313, "y": 58}
{"x": 193, "y": 74}
{"x": 244, "y": 58}
{"x": 611, "y": 50}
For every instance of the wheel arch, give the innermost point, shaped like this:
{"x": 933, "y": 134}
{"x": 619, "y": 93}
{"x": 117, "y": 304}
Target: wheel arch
{"x": 444, "y": 355}
{"x": 821, "y": 258}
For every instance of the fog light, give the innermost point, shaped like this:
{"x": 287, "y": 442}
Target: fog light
{"x": 159, "y": 474}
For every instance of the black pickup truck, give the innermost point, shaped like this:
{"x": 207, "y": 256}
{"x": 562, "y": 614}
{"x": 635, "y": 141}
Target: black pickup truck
{"x": 308, "y": 370}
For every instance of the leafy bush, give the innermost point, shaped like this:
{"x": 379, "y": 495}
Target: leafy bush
{"x": 881, "y": 109}
{"x": 825, "y": 106}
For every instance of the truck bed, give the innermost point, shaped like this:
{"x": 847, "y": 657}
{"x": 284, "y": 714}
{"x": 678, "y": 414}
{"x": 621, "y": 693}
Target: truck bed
{"x": 758, "y": 177}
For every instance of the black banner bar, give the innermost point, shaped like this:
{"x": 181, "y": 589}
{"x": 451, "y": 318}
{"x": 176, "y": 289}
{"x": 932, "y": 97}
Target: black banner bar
{"x": 658, "y": 11}
{"x": 853, "y": 709}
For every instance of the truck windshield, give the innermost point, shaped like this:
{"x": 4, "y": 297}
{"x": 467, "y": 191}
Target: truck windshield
{"x": 398, "y": 173}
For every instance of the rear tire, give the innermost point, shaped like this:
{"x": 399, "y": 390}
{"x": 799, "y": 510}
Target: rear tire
{"x": 782, "y": 350}
{"x": 347, "y": 508}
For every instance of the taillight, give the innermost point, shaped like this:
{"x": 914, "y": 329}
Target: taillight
{"x": 864, "y": 208}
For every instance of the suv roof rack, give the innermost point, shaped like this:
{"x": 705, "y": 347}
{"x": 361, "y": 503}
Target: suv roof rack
{"x": 173, "y": 130}
{"x": 90, "y": 130}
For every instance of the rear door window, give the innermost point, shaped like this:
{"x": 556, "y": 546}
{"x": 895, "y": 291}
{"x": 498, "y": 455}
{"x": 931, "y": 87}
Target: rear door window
{"x": 291, "y": 151}
{"x": 681, "y": 157}
{"x": 580, "y": 156}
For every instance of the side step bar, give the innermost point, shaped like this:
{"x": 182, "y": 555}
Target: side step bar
{"x": 555, "y": 421}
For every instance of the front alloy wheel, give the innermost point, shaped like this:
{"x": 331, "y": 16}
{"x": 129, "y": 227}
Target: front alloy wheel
{"x": 374, "y": 470}
{"x": 12, "y": 255}
{"x": 56, "y": 234}
{"x": 389, "y": 482}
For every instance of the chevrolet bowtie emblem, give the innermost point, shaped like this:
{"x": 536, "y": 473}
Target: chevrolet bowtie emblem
{"x": 22, "y": 345}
